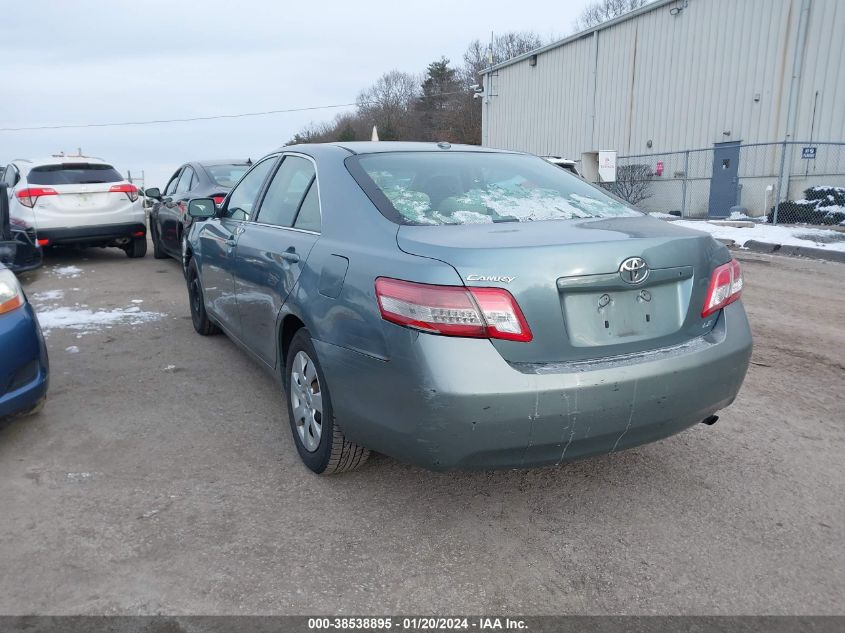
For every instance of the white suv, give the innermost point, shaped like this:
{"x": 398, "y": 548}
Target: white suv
{"x": 77, "y": 200}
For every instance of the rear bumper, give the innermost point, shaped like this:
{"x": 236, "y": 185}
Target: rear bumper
{"x": 97, "y": 234}
{"x": 456, "y": 403}
{"x": 24, "y": 370}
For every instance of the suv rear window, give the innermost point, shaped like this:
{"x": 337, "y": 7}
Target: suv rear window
{"x": 226, "y": 175}
{"x": 430, "y": 188}
{"x": 73, "y": 174}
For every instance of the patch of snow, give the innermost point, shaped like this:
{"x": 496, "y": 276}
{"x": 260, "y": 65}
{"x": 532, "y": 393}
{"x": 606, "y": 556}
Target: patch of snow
{"x": 663, "y": 216}
{"x": 79, "y": 477}
{"x": 48, "y": 295}
{"x": 73, "y": 349}
{"x": 67, "y": 271}
{"x": 90, "y": 320}
{"x": 736, "y": 215}
{"x": 137, "y": 301}
{"x": 783, "y": 235}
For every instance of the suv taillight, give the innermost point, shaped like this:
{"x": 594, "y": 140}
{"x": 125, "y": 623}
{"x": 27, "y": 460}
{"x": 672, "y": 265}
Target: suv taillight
{"x": 130, "y": 190}
{"x": 452, "y": 310}
{"x": 29, "y": 196}
{"x": 725, "y": 287}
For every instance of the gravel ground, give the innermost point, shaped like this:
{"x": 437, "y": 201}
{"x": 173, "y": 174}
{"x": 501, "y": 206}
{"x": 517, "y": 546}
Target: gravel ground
{"x": 162, "y": 478}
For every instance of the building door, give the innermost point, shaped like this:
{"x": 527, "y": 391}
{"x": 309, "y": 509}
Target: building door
{"x": 724, "y": 185}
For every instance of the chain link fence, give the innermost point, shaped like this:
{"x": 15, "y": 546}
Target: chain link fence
{"x": 786, "y": 182}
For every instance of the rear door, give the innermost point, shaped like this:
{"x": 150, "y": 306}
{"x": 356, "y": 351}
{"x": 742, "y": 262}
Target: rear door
{"x": 175, "y": 211}
{"x": 218, "y": 238}
{"x": 165, "y": 212}
{"x": 272, "y": 251}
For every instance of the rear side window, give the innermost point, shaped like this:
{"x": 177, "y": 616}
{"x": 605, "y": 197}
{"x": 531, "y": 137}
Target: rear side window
{"x": 431, "y": 188}
{"x": 226, "y": 175}
{"x": 285, "y": 192}
{"x": 73, "y": 174}
{"x": 308, "y": 218}
{"x": 185, "y": 181}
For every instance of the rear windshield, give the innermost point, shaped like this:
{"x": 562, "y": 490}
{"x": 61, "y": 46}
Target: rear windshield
{"x": 73, "y": 174}
{"x": 477, "y": 187}
{"x": 226, "y": 175}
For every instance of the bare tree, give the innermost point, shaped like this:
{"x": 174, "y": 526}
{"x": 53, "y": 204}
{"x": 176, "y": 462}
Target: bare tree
{"x": 633, "y": 183}
{"x": 604, "y": 10}
{"x": 402, "y": 105}
{"x": 389, "y": 104}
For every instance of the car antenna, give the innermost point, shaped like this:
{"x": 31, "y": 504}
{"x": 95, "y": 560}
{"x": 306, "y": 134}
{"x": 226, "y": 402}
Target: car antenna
{"x": 249, "y": 161}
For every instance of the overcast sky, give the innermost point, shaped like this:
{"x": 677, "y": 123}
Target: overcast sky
{"x": 90, "y": 61}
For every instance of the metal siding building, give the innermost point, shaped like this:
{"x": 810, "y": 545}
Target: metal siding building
{"x": 677, "y": 75}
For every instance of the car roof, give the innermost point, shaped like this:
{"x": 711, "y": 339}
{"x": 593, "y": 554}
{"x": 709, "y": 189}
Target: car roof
{"x": 221, "y": 161}
{"x": 57, "y": 159}
{"x": 376, "y": 147}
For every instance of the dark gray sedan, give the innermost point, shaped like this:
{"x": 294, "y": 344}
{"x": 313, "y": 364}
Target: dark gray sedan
{"x": 458, "y": 307}
{"x": 169, "y": 212}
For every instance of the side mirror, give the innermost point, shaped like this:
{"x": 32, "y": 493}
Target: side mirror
{"x": 153, "y": 192}
{"x": 202, "y": 208}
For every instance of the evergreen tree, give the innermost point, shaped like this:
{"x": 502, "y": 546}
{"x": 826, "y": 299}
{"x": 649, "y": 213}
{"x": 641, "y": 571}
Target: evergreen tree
{"x": 440, "y": 92}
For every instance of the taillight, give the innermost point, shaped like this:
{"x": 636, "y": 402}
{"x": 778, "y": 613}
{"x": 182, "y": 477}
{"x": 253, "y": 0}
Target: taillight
{"x": 29, "y": 196}
{"x": 725, "y": 287}
{"x": 43, "y": 241}
{"x": 218, "y": 200}
{"x": 452, "y": 310}
{"x": 130, "y": 190}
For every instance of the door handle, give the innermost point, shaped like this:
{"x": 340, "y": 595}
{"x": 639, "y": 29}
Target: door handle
{"x": 288, "y": 255}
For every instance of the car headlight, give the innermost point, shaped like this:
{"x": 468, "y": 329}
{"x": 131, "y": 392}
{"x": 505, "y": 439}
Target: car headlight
{"x": 11, "y": 294}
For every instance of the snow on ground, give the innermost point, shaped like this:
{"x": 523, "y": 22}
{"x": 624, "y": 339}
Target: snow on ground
{"x": 48, "y": 295}
{"x": 663, "y": 216}
{"x": 67, "y": 271}
{"x": 783, "y": 235}
{"x": 736, "y": 215}
{"x": 82, "y": 318}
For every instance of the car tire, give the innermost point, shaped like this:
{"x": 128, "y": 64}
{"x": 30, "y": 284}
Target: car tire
{"x": 137, "y": 247}
{"x": 320, "y": 442}
{"x": 158, "y": 251}
{"x": 199, "y": 317}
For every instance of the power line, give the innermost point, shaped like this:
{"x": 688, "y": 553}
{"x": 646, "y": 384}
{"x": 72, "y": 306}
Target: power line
{"x": 187, "y": 119}
{"x": 240, "y": 115}
{"x": 72, "y": 126}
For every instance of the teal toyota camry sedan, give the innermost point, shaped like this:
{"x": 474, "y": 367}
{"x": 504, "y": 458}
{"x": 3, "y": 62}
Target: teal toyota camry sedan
{"x": 461, "y": 307}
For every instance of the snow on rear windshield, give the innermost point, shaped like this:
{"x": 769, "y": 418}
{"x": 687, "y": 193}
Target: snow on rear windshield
{"x": 73, "y": 174}
{"x": 475, "y": 188}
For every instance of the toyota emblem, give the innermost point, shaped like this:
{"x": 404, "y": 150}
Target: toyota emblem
{"x": 633, "y": 270}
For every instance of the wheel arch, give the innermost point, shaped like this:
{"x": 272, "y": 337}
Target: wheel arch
{"x": 289, "y": 326}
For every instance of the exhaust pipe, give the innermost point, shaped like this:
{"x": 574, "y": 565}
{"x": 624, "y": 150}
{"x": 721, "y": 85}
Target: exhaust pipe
{"x": 711, "y": 420}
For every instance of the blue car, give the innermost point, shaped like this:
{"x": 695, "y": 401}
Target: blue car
{"x": 24, "y": 368}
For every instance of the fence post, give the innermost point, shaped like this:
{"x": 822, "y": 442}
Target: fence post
{"x": 780, "y": 182}
{"x": 684, "y": 185}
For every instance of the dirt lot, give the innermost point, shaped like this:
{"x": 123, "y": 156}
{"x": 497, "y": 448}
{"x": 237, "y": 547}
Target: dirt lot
{"x": 161, "y": 477}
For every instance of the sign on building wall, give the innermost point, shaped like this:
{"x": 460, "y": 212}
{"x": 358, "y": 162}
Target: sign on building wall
{"x": 607, "y": 166}
{"x": 808, "y": 153}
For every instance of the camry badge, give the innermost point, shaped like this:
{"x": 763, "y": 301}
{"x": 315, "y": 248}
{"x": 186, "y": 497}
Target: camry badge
{"x": 502, "y": 279}
{"x": 633, "y": 270}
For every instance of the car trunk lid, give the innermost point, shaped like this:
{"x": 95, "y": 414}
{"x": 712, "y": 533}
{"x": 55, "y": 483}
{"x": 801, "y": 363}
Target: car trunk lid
{"x": 565, "y": 276}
